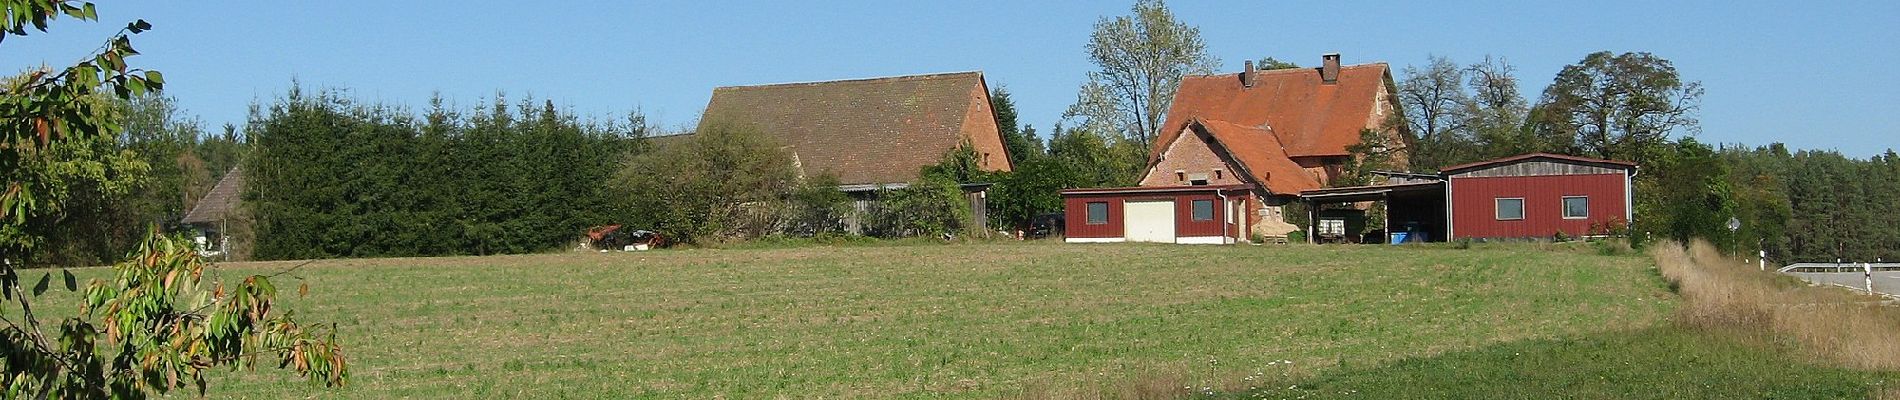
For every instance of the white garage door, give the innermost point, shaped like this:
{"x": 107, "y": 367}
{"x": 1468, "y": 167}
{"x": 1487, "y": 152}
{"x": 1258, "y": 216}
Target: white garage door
{"x": 1148, "y": 221}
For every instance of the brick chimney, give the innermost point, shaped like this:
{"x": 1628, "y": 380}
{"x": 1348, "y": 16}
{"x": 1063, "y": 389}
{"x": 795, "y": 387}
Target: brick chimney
{"x": 1329, "y": 68}
{"x": 1246, "y": 74}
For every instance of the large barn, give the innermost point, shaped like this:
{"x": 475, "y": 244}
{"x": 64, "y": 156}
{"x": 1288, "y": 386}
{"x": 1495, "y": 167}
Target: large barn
{"x": 1539, "y": 195}
{"x": 874, "y": 133}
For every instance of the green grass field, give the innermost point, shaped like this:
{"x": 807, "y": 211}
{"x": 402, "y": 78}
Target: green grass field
{"x": 998, "y": 320}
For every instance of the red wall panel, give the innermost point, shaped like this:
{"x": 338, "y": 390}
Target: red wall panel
{"x": 1474, "y": 207}
{"x": 1184, "y": 223}
{"x": 1076, "y": 217}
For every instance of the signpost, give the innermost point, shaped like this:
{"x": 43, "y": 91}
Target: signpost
{"x": 1735, "y": 225}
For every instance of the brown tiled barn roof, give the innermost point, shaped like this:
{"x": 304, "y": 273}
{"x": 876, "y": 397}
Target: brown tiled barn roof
{"x": 879, "y": 130}
{"x": 221, "y": 200}
{"x": 1309, "y": 117}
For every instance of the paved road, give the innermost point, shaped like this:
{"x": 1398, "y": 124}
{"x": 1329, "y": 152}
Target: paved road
{"x": 1884, "y": 281}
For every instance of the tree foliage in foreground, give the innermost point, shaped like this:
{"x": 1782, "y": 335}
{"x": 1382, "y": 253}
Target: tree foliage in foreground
{"x": 155, "y": 327}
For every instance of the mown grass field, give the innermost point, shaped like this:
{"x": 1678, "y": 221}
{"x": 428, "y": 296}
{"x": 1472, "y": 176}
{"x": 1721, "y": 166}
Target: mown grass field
{"x": 980, "y": 321}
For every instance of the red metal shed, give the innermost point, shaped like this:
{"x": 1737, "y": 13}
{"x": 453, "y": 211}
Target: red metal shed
{"x": 1538, "y": 195}
{"x": 1164, "y": 214}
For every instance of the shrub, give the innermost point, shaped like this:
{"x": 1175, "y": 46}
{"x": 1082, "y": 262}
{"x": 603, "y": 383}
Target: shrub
{"x": 933, "y": 205}
{"x": 725, "y": 181}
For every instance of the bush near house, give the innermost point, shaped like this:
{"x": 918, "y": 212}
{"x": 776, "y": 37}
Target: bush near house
{"x": 725, "y": 182}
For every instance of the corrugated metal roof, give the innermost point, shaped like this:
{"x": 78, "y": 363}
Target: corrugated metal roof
{"x": 1548, "y": 156}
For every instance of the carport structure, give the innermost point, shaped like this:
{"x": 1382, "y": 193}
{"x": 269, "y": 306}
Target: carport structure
{"x": 1417, "y": 207}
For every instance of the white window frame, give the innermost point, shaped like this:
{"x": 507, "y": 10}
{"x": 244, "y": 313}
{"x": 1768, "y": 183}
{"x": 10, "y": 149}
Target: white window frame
{"x": 1497, "y": 208}
{"x": 1566, "y": 207}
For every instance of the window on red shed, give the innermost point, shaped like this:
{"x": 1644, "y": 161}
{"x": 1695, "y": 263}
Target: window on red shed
{"x": 1203, "y": 210}
{"x": 1098, "y": 213}
{"x": 1510, "y": 208}
{"x": 1576, "y": 207}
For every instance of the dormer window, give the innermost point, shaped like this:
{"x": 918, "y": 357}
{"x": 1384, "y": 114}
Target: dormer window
{"x": 1180, "y": 176}
{"x": 1197, "y": 179}
{"x": 1217, "y": 174}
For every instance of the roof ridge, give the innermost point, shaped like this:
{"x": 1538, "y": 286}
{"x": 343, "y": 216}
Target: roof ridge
{"x": 1290, "y": 70}
{"x": 878, "y": 79}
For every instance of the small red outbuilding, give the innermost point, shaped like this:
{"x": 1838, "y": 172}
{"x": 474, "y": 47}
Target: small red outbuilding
{"x": 1538, "y": 195}
{"x": 1162, "y": 214}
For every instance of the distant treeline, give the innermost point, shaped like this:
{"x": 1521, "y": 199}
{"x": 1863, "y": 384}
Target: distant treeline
{"x": 332, "y": 178}
{"x": 1810, "y": 205}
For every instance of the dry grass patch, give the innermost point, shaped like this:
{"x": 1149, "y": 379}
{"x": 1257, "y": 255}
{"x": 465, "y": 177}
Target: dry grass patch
{"x": 1726, "y": 295}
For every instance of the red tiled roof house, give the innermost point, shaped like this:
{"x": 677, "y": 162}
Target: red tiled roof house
{"x": 1274, "y": 133}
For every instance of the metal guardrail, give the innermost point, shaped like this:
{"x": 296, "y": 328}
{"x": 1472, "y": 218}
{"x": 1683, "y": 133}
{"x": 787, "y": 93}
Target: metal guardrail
{"x": 1838, "y": 267}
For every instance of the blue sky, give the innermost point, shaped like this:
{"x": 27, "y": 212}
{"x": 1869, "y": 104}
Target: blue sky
{"x": 1810, "y": 74}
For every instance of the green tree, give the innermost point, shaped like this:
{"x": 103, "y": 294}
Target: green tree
{"x": 1435, "y": 101}
{"x": 1140, "y": 60}
{"x": 153, "y": 128}
{"x": 1619, "y": 106}
{"x": 1032, "y": 189}
{"x": 331, "y": 177}
{"x": 708, "y": 186}
{"x": 1496, "y": 113}
{"x": 1097, "y": 160}
{"x": 1270, "y": 63}
{"x": 932, "y": 205}
{"x": 1684, "y": 193}
{"x": 154, "y": 327}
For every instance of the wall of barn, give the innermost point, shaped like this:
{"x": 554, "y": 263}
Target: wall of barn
{"x": 979, "y": 128}
{"x": 1474, "y": 206}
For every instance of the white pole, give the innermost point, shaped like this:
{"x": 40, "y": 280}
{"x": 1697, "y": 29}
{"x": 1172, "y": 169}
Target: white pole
{"x": 1762, "y": 259}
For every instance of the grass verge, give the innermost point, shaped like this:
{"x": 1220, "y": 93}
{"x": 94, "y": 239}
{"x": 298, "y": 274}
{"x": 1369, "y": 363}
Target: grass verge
{"x": 1725, "y": 295}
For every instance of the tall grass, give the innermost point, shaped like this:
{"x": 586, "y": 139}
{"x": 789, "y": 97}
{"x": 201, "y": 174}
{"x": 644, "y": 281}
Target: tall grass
{"x": 1722, "y": 294}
